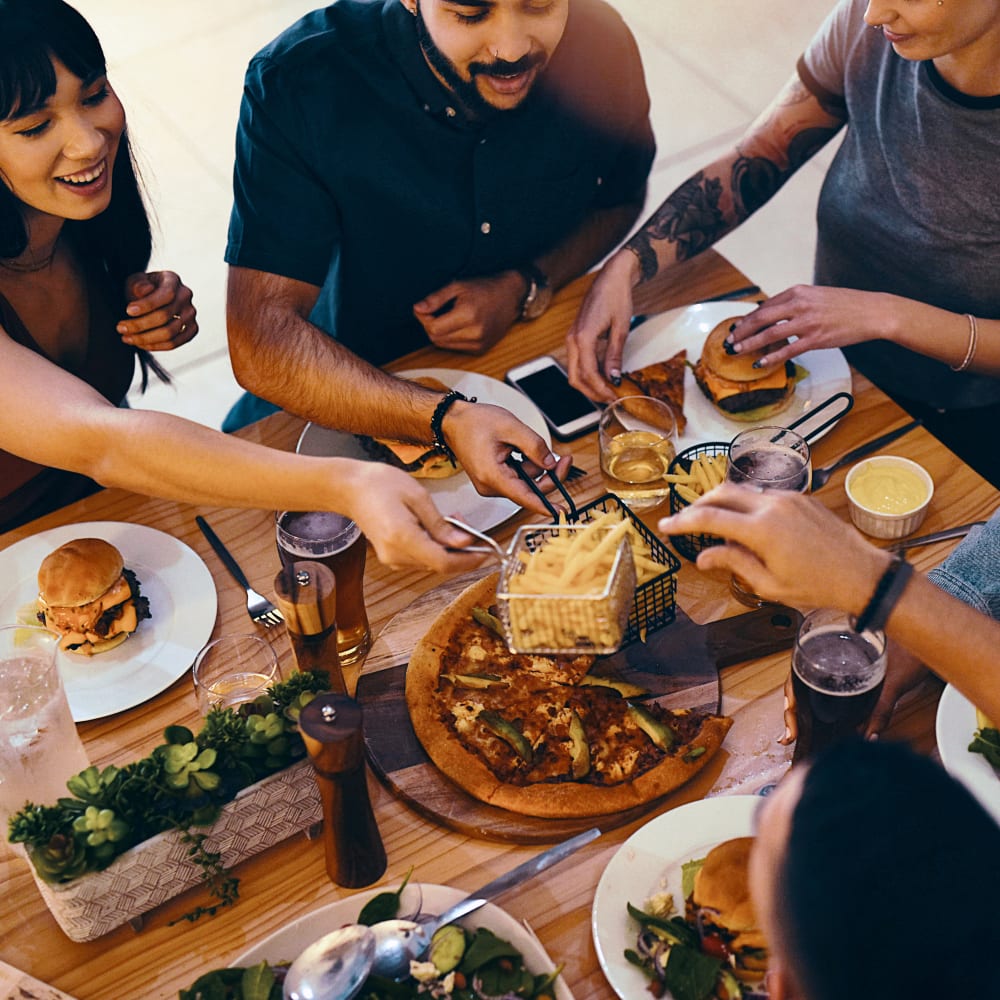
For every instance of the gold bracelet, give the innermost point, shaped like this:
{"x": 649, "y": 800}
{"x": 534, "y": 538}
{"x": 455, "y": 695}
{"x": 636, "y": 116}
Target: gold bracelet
{"x": 971, "y": 352}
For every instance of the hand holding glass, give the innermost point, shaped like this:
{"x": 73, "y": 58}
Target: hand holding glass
{"x": 767, "y": 458}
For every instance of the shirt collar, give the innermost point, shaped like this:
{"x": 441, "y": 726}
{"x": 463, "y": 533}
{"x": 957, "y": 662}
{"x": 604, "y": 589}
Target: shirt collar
{"x": 404, "y": 47}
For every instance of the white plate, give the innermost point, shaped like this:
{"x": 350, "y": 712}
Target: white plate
{"x": 662, "y": 336}
{"x": 954, "y": 729}
{"x": 182, "y": 600}
{"x": 285, "y": 945}
{"x": 650, "y": 862}
{"x": 454, "y": 496}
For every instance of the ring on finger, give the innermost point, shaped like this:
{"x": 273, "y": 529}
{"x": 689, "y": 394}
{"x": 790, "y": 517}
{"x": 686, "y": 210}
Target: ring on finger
{"x": 184, "y": 325}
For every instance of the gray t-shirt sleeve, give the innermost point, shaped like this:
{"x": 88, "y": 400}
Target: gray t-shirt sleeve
{"x": 972, "y": 572}
{"x": 825, "y": 58}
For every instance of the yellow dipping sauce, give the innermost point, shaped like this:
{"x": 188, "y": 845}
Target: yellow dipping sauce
{"x": 888, "y": 488}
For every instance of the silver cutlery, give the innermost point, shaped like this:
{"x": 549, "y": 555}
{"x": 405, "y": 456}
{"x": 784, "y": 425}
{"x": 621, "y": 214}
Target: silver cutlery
{"x": 937, "y": 536}
{"x": 821, "y": 476}
{"x": 259, "y": 608}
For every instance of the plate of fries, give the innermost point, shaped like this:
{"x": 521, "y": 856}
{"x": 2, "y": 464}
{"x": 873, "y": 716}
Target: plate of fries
{"x": 588, "y": 586}
{"x": 694, "y": 472}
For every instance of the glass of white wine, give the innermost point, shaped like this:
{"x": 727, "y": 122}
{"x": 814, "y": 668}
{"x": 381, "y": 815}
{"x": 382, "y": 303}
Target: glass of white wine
{"x": 638, "y": 441}
{"x": 233, "y": 670}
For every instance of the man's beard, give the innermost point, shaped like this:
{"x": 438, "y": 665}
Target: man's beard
{"x": 466, "y": 90}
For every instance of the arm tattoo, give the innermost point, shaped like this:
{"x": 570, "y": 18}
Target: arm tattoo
{"x": 690, "y": 218}
{"x": 755, "y": 179}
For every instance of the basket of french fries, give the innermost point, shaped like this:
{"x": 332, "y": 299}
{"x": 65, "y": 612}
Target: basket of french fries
{"x": 693, "y": 473}
{"x": 589, "y": 586}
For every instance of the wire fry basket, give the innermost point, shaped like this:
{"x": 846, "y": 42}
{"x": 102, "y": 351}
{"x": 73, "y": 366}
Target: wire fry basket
{"x": 690, "y": 545}
{"x": 564, "y": 623}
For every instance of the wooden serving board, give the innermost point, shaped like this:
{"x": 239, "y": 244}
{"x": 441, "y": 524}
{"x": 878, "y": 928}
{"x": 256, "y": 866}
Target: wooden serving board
{"x": 679, "y": 665}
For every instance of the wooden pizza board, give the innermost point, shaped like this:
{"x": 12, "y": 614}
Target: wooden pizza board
{"x": 679, "y": 664}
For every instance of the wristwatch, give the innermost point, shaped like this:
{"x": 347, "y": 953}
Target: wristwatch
{"x": 539, "y": 294}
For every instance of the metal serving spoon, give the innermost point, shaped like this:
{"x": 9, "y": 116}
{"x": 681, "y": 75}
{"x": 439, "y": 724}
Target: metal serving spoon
{"x": 327, "y": 971}
{"x": 336, "y": 965}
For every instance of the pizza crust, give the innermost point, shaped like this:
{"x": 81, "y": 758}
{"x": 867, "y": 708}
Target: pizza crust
{"x": 548, "y": 799}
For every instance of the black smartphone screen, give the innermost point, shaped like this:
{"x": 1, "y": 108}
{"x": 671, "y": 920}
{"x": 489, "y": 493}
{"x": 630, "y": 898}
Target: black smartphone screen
{"x": 550, "y": 391}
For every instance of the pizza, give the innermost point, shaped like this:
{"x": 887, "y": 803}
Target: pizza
{"x": 663, "y": 380}
{"x": 541, "y": 735}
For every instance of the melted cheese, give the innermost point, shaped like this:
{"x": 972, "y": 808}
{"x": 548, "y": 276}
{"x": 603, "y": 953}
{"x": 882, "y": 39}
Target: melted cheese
{"x": 723, "y": 387}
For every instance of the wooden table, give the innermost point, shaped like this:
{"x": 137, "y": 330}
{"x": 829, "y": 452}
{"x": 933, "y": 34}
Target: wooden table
{"x": 289, "y": 880}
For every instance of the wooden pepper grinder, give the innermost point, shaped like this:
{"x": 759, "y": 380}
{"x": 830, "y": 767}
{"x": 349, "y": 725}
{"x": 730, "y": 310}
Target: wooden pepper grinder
{"x": 331, "y": 729}
{"x": 307, "y": 596}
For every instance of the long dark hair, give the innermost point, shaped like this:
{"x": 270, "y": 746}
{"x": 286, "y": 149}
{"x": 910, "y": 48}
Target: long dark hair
{"x": 117, "y": 242}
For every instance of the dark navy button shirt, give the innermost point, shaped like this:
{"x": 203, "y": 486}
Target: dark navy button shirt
{"x": 357, "y": 172}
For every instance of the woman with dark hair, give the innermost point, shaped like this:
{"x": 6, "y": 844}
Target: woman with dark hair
{"x": 875, "y": 876}
{"x": 76, "y": 309}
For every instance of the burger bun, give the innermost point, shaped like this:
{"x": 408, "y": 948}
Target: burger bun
{"x": 735, "y": 367}
{"x": 79, "y": 572}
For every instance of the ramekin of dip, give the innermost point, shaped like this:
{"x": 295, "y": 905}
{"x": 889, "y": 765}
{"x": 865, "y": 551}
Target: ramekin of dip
{"x": 888, "y": 495}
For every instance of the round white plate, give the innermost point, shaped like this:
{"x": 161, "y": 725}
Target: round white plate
{"x": 182, "y": 600}
{"x": 662, "y": 336}
{"x": 650, "y": 862}
{"x": 285, "y": 945}
{"x": 954, "y": 728}
{"x": 454, "y": 496}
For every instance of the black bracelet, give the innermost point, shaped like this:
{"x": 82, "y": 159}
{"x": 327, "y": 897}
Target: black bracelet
{"x": 888, "y": 591}
{"x": 437, "y": 419}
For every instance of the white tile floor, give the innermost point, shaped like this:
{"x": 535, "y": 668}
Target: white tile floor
{"x": 711, "y": 66}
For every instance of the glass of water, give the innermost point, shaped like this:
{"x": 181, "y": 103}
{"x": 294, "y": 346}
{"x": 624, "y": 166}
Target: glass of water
{"x": 233, "y": 670}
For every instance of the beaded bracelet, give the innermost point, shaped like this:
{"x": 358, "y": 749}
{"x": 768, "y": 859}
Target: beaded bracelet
{"x": 437, "y": 419}
{"x": 971, "y": 352}
{"x": 888, "y": 590}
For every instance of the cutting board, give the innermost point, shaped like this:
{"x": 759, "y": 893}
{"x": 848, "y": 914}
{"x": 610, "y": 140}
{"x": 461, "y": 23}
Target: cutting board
{"x": 18, "y": 985}
{"x": 679, "y": 664}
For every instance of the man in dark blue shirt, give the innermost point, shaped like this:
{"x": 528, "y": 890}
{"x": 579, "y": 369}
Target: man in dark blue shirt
{"x": 425, "y": 170}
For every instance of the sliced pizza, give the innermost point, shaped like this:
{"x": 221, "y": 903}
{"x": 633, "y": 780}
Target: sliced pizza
{"x": 663, "y": 380}
{"x": 541, "y": 736}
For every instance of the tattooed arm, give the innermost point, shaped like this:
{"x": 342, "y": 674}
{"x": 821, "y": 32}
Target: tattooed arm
{"x": 706, "y": 207}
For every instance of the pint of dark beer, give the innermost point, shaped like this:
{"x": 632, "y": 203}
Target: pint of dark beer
{"x": 837, "y": 676}
{"x": 337, "y": 542}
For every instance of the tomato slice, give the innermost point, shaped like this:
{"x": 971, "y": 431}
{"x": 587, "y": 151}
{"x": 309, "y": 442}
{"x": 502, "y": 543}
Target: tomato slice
{"x": 712, "y": 944}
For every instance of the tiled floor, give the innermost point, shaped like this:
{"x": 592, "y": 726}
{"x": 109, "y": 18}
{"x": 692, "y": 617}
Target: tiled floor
{"x": 711, "y": 66}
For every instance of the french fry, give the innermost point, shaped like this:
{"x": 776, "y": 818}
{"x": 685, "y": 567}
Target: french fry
{"x": 705, "y": 473}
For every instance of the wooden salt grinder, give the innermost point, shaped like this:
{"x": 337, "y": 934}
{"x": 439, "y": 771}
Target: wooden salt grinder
{"x": 331, "y": 728}
{"x": 307, "y": 596}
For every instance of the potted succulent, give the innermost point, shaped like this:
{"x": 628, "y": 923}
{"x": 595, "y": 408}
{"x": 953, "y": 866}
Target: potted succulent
{"x": 128, "y": 838}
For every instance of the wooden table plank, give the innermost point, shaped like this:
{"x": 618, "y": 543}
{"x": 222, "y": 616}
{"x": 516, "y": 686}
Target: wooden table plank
{"x": 290, "y": 880}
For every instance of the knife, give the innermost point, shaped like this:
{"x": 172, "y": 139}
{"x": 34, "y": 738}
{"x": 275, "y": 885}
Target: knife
{"x": 937, "y": 536}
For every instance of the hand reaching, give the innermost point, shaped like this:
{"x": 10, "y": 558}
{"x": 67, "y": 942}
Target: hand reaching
{"x": 471, "y": 316}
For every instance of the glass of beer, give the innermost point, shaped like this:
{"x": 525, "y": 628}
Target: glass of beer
{"x": 40, "y": 749}
{"x": 233, "y": 670}
{"x": 837, "y": 676}
{"x": 638, "y": 440}
{"x": 767, "y": 458}
{"x": 337, "y": 542}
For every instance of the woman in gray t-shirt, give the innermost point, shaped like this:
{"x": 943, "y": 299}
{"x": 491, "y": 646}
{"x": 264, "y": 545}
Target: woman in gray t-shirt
{"x": 908, "y": 252}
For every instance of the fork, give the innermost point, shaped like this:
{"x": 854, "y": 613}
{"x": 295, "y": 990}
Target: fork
{"x": 820, "y": 476}
{"x": 575, "y": 473}
{"x": 259, "y": 608}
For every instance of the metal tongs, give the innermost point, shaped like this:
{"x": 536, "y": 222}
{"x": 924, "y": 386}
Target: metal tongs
{"x": 516, "y": 461}
{"x": 847, "y": 403}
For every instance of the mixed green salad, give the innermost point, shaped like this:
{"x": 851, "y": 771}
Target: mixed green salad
{"x": 460, "y": 965}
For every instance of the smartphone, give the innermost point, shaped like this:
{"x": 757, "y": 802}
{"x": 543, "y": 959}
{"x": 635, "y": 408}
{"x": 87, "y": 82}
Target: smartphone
{"x": 567, "y": 411}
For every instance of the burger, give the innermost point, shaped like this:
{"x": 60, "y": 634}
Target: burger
{"x": 419, "y": 460}
{"x": 721, "y": 908}
{"x": 88, "y": 597}
{"x": 732, "y": 384}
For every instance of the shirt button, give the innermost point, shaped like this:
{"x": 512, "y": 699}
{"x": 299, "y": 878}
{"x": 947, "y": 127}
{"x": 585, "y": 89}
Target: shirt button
{"x": 485, "y": 229}
{"x": 427, "y": 107}
{"x": 482, "y": 142}
{"x": 450, "y": 112}
{"x": 600, "y": 181}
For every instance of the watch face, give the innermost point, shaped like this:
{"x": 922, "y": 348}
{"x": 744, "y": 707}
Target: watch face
{"x": 537, "y": 301}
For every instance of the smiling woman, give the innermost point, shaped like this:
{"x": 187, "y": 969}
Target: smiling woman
{"x": 77, "y": 308}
